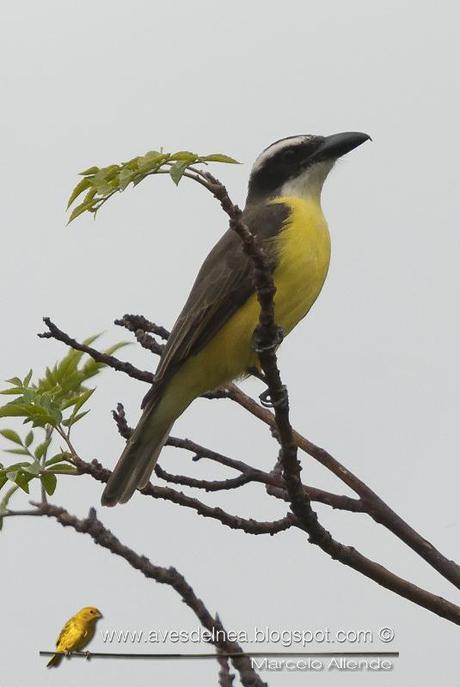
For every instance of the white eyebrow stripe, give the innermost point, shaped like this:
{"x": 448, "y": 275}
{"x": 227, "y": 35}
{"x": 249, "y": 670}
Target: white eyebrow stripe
{"x": 275, "y": 148}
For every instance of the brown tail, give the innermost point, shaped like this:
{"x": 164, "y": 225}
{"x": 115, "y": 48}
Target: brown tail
{"x": 137, "y": 461}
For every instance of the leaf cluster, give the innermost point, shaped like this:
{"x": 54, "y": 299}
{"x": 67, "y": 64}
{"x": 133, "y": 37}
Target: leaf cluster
{"x": 51, "y": 405}
{"x": 100, "y": 183}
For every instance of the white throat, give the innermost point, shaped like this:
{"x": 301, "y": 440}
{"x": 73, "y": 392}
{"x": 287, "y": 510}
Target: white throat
{"x": 310, "y": 183}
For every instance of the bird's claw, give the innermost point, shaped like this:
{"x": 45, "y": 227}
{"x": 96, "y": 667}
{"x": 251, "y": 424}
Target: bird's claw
{"x": 273, "y": 345}
{"x": 267, "y": 401}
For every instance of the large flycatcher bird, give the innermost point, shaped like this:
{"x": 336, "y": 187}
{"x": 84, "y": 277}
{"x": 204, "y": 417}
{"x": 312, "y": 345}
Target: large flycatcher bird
{"x": 212, "y": 340}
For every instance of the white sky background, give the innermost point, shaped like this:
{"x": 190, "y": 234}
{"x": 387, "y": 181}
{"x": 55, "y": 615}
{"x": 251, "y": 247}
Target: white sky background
{"x": 372, "y": 372}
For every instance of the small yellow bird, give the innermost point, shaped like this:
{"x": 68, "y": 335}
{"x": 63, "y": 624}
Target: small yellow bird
{"x": 76, "y": 633}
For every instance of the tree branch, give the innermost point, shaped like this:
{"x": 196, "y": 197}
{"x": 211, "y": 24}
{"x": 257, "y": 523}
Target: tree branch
{"x": 248, "y": 525}
{"x": 275, "y": 484}
{"x": 110, "y": 360}
{"x": 169, "y": 576}
{"x": 267, "y": 339}
{"x": 371, "y": 503}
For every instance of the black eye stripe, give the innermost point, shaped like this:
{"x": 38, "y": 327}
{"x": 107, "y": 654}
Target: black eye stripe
{"x": 289, "y": 152}
{"x": 276, "y": 166}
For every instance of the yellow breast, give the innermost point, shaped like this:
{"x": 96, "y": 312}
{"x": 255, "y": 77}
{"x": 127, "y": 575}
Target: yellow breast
{"x": 303, "y": 248}
{"x": 304, "y": 252}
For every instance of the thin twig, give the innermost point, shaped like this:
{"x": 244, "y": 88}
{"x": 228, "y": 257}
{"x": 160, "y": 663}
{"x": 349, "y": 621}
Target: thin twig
{"x": 373, "y": 505}
{"x": 274, "y": 482}
{"x": 110, "y": 360}
{"x": 248, "y": 525}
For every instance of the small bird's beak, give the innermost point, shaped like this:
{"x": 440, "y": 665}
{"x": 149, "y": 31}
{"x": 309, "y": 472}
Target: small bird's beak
{"x": 99, "y": 614}
{"x": 333, "y": 147}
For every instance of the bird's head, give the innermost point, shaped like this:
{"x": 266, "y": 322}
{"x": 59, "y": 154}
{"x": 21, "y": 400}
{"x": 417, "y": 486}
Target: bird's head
{"x": 90, "y": 613}
{"x": 298, "y": 165}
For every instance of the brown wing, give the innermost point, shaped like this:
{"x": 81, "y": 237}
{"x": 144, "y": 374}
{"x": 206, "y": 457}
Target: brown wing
{"x": 223, "y": 284}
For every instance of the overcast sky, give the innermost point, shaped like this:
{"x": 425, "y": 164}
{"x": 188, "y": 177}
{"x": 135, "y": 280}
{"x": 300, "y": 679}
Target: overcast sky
{"x": 372, "y": 372}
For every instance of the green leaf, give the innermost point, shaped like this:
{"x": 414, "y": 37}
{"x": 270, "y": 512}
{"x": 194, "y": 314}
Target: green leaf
{"x": 5, "y": 500}
{"x": 42, "y": 448}
{"x": 90, "y": 170}
{"x": 57, "y": 459}
{"x": 177, "y": 171}
{"x": 11, "y": 435}
{"x": 186, "y": 156}
{"x": 14, "y": 380}
{"x": 15, "y": 467}
{"x": 17, "y": 451}
{"x": 3, "y": 478}
{"x": 64, "y": 467}
{"x": 79, "y": 210}
{"x": 12, "y": 391}
{"x": 116, "y": 347}
{"x": 83, "y": 398}
{"x": 33, "y": 468}
{"x": 152, "y": 155}
{"x": 74, "y": 418}
{"x": 126, "y": 176}
{"x": 49, "y": 482}
{"x": 27, "y": 379}
{"x": 67, "y": 365}
{"x": 79, "y": 188}
{"x": 12, "y": 410}
{"x": 70, "y": 402}
{"x": 219, "y": 157}
{"x": 29, "y": 438}
{"x": 22, "y": 480}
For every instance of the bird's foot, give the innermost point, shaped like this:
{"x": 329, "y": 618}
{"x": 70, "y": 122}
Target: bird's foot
{"x": 267, "y": 401}
{"x": 87, "y": 655}
{"x": 255, "y": 372}
{"x": 261, "y": 346}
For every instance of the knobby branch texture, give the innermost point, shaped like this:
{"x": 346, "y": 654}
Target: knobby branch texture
{"x": 283, "y": 482}
{"x": 351, "y": 556}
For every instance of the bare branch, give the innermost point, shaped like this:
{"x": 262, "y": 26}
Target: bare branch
{"x": 119, "y": 416}
{"x": 275, "y": 483}
{"x": 134, "y": 323}
{"x": 373, "y": 505}
{"x": 109, "y": 360}
{"x": 248, "y": 525}
{"x": 225, "y": 676}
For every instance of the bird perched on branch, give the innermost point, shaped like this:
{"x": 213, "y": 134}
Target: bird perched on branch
{"x": 76, "y": 633}
{"x": 212, "y": 340}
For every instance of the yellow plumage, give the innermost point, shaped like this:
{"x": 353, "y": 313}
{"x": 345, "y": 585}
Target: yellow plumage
{"x": 304, "y": 252}
{"x": 76, "y": 633}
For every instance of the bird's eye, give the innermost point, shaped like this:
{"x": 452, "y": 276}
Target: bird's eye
{"x": 289, "y": 154}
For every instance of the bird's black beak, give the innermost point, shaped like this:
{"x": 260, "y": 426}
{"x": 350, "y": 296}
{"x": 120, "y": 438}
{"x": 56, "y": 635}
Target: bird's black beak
{"x": 332, "y": 147}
